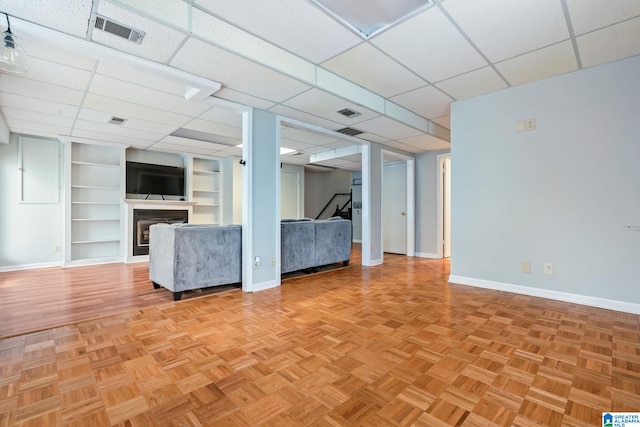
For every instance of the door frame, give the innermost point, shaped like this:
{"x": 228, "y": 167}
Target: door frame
{"x": 410, "y": 207}
{"x": 440, "y": 204}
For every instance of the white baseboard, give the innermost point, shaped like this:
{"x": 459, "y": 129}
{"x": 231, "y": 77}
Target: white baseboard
{"x": 608, "y": 304}
{"x": 30, "y": 266}
{"x": 356, "y": 241}
{"x": 269, "y": 284}
{"x": 427, "y": 255}
{"x": 373, "y": 263}
{"x": 136, "y": 258}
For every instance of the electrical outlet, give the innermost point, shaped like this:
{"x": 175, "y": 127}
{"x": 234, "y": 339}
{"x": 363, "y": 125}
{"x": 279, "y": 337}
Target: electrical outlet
{"x": 520, "y": 126}
{"x": 57, "y": 248}
{"x": 256, "y": 262}
{"x": 526, "y": 267}
{"x": 530, "y": 124}
{"x": 548, "y": 268}
{"x": 273, "y": 261}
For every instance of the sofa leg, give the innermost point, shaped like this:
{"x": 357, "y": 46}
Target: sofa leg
{"x": 177, "y": 296}
{"x": 345, "y": 263}
{"x": 155, "y": 285}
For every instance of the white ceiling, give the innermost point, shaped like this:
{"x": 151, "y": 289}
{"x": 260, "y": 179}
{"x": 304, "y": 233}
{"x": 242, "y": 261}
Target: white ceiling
{"x": 294, "y": 59}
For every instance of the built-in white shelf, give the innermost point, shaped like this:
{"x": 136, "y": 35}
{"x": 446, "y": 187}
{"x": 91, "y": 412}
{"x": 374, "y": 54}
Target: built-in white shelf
{"x": 94, "y": 176}
{"x": 205, "y": 189}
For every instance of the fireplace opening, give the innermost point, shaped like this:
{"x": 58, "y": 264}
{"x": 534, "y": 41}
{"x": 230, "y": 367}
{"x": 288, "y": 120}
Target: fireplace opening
{"x": 145, "y": 218}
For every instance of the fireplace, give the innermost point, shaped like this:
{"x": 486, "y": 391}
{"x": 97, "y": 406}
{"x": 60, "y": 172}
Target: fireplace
{"x": 145, "y": 218}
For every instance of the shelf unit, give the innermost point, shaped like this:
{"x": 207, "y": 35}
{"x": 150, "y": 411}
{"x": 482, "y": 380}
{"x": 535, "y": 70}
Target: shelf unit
{"x": 205, "y": 190}
{"x": 94, "y": 188}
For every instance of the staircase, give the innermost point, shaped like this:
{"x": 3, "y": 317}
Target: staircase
{"x": 344, "y": 211}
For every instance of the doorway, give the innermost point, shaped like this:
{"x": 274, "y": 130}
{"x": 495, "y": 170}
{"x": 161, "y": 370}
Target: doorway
{"x": 394, "y": 208}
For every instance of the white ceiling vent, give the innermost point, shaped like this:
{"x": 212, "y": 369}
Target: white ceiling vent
{"x": 117, "y": 29}
{"x": 348, "y": 112}
{"x": 116, "y": 121}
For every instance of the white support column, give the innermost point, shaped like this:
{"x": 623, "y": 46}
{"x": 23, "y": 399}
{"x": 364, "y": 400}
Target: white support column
{"x": 372, "y": 205}
{"x": 261, "y": 201}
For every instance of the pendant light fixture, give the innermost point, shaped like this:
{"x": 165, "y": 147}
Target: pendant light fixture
{"x": 11, "y": 53}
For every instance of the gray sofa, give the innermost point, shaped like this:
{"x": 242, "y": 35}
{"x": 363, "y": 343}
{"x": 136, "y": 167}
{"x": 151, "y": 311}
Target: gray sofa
{"x": 307, "y": 244}
{"x": 187, "y": 256}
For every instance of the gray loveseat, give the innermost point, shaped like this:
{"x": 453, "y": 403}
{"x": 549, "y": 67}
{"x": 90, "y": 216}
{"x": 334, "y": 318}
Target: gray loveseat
{"x": 184, "y": 257}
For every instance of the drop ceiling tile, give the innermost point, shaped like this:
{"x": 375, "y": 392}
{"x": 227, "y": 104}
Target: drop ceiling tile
{"x": 231, "y": 151}
{"x": 326, "y": 105}
{"x": 130, "y": 92}
{"x": 175, "y": 13}
{"x": 57, "y": 74}
{"x": 444, "y": 121}
{"x": 69, "y": 16}
{"x": 427, "y": 102}
{"x": 235, "y": 72}
{"x": 172, "y": 148}
{"x": 298, "y": 26}
{"x": 214, "y": 128}
{"x": 158, "y": 44}
{"x": 36, "y": 47}
{"x": 426, "y": 142}
{"x": 502, "y": 29}
{"x": 102, "y": 117}
{"x": 295, "y": 145}
{"x": 130, "y": 110}
{"x": 31, "y": 116}
{"x": 373, "y": 138}
{"x": 540, "y": 64}
{"x": 111, "y": 137}
{"x": 306, "y": 137}
{"x": 473, "y": 83}
{"x": 295, "y": 160}
{"x": 205, "y": 145}
{"x": 244, "y": 99}
{"x": 610, "y": 44}
{"x": 223, "y": 115}
{"x": 232, "y": 38}
{"x": 594, "y": 14}
{"x": 37, "y": 105}
{"x": 30, "y": 88}
{"x": 387, "y": 128}
{"x": 369, "y": 67}
{"x": 404, "y": 147}
{"x": 38, "y": 129}
{"x": 31, "y": 121}
{"x": 121, "y": 130}
{"x": 136, "y": 75}
{"x": 292, "y": 113}
{"x": 430, "y": 46}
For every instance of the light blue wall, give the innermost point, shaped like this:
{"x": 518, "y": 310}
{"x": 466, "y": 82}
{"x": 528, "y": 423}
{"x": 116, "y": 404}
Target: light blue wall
{"x": 559, "y": 194}
{"x": 427, "y": 170}
{"x": 31, "y": 234}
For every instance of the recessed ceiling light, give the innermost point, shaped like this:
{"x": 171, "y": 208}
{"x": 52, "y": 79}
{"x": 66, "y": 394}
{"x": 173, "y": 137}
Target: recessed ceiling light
{"x": 369, "y": 17}
{"x": 283, "y": 150}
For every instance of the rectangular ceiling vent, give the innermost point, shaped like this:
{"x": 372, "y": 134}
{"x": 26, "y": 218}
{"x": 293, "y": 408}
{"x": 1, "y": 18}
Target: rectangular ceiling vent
{"x": 349, "y": 131}
{"x": 117, "y": 29}
{"x": 347, "y": 112}
{"x": 116, "y": 121}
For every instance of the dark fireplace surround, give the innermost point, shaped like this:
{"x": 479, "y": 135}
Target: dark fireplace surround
{"x": 145, "y": 218}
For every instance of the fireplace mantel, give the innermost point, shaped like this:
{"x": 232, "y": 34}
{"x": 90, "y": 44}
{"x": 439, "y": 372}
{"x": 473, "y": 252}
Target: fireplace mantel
{"x": 129, "y": 205}
{"x": 172, "y": 203}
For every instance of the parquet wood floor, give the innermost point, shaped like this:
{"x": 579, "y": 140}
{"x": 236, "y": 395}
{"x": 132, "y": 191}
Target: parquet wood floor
{"x": 388, "y": 345}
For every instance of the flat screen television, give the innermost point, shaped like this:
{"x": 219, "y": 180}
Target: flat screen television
{"x": 145, "y": 178}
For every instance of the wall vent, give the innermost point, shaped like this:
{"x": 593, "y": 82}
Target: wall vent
{"x": 349, "y": 131}
{"x": 116, "y": 121}
{"x": 347, "y": 112}
{"x": 117, "y": 29}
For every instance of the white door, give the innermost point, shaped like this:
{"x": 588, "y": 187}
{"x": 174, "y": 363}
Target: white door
{"x": 289, "y": 195}
{"x": 394, "y": 207}
{"x": 446, "y": 205}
